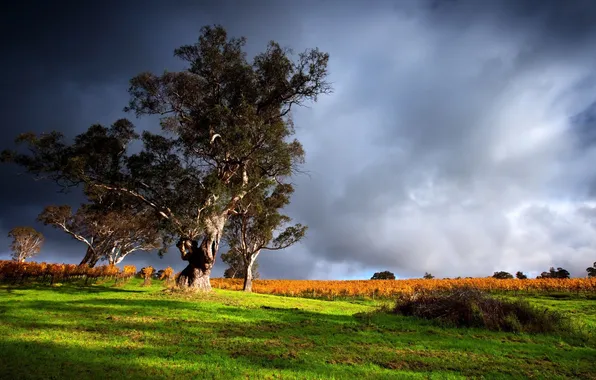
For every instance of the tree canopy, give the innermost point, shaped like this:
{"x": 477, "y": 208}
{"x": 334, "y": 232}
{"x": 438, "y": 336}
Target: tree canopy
{"x": 26, "y": 242}
{"x": 256, "y": 220}
{"x": 385, "y": 275}
{"x": 502, "y": 275}
{"x": 555, "y": 273}
{"x": 227, "y": 130}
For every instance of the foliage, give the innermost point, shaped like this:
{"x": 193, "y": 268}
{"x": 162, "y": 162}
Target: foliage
{"x": 126, "y": 274}
{"x": 235, "y": 267}
{"x": 386, "y": 275}
{"x": 227, "y": 130}
{"x": 252, "y": 229}
{"x": 521, "y": 276}
{"x": 14, "y": 271}
{"x": 470, "y": 307}
{"x": 167, "y": 275}
{"x": 26, "y": 242}
{"x": 110, "y": 233}
{"x": 552, "y": 273}
{"x": 502, "y": 275}
{"x": 391, "y": 289}
{"x": 146, "y": 273}
{"x": 591, "y": 270}
{"x": 428, "y": 276}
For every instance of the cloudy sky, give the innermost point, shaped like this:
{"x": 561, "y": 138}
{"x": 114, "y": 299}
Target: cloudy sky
{"x": 460, "y": 139}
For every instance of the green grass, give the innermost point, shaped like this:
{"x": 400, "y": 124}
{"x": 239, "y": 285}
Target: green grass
{"x": 105, "y": 332}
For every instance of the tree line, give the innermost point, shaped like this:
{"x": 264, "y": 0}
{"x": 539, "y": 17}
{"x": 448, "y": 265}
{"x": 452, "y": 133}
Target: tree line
{"x": 551, "y": 273}
{"x": 219, "y": 171}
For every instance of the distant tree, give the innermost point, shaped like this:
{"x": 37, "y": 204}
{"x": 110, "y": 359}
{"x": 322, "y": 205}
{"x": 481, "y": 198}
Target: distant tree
{"x": 502, "y": 275}
{"x": 520, "y": 275}
{"x": 26, "y": 242}
{"x": 428, "y": 276}
{"x": 591, "y": 270}
{"x": 226, "y": 129}
{"x": 555, "y": 273}
{"x": 386, "y": 275}
{"x": 562, "y": 273}
{"x": 252, "y": 228}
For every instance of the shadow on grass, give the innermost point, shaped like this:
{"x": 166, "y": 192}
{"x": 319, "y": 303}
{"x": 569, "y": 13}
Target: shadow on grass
{"x": 144, "y": 337}
{"x": 67, "y": 288}
{"x": 174, "y": 339}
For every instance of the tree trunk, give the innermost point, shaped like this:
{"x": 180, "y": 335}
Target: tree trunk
{"x": 91, "y": 258}
{"x": 200, "y": 257}
{"x": 248, "y": 272}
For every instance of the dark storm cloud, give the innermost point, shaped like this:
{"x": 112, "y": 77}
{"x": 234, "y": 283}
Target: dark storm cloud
{"x": 457, "y": 140}
{"x": 459, "y": 117}
{"x": 66, "y": 65}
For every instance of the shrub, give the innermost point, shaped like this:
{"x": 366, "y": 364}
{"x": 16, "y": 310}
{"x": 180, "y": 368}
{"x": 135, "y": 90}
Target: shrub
{"x": 167, "y": 275}
{"x": 146, "y": 272}
{"x": 386, "y": 275}
{"x": 469, "y": 307}
{"x": 502, "y": 275}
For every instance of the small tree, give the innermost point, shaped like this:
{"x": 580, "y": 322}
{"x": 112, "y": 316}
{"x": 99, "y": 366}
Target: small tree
{"x": 26, "y": 243}
{"x": 591, "y": 270}
{"x": 252, "y": 227}
{"x": 501, "y": 275}
{"x": 428, "y": 276}
{"x": 386, "y": 275}
{"x": 521, "y": 276}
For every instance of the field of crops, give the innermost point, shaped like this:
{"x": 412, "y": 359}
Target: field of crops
{"x": 46, "y": 272}
{"x": 50, "y": 272}
{"x": 391, "y": 288}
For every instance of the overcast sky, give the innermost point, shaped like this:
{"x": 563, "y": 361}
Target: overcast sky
{"x": 460, "y": 139}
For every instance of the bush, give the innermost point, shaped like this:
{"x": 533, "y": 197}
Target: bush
{"x": 146, "y": 273}
{"x": 469, "y": 307}
{"x": 386, "y": 275}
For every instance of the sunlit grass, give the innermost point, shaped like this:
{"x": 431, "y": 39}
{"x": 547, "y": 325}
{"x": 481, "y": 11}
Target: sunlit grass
{"x": 138, "y": 332}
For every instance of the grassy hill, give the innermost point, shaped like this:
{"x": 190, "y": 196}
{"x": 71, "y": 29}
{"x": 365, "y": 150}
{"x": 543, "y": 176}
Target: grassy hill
{"x": 103, "y": 332}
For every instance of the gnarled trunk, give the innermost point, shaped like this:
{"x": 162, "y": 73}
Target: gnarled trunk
{"x": 248, "y": 264}
{"x": 91, "y": 258}
{"x": 200, "y": 257}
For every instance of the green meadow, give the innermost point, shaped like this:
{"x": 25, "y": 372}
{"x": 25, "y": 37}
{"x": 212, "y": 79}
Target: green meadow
{"x": 106, "y": 332}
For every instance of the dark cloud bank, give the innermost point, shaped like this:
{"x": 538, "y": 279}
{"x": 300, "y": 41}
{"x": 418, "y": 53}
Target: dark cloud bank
{"x": 459, "y": 140}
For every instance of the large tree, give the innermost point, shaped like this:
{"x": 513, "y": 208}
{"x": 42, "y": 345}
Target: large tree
{"x": 254, "y": 224}
{"x": 227, "y": 130}
{"x": 26, "y": 242}
{"x": 110, "y": 235}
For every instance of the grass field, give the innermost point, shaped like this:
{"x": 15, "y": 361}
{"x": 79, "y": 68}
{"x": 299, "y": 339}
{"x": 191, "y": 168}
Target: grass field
{"x": 103, "y": 332}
